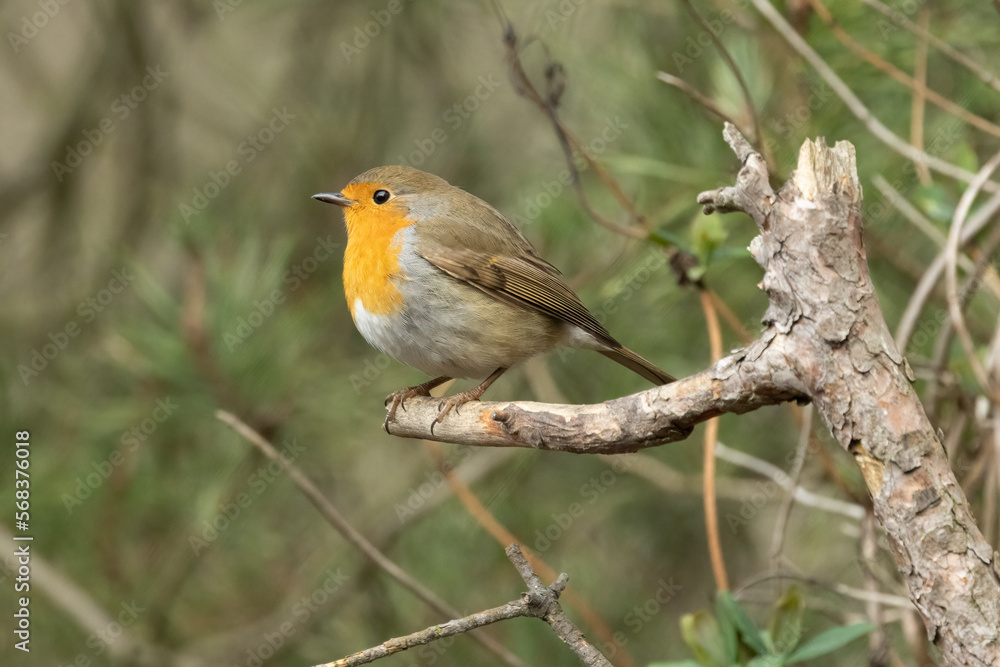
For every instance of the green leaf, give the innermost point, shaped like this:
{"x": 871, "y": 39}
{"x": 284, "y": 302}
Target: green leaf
{"x": 728, "y": 606}
{"x": 829, "y": 641}
{"x": 767, "y": 661}
{"x": 701, "y": 633}
{"x": 678, "y": 663}
{"x": 935, "y": 202}
{"x": 785, "y": 624}
{"x": 707, "y": 234}
{"x": 667, "y": 238}
{"x": 966, "y": 158}
{"x": 728, "y": 633}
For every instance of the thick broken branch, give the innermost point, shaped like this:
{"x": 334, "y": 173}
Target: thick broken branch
{"x": 826, "y": 341}
{"x": 751, "y": 378}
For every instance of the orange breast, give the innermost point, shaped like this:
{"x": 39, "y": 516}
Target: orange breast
{"x": 371, "y": 259}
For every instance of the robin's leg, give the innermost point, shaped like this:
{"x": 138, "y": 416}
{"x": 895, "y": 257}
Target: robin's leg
{"x": 472, "y": 395}
{"x": 398, "y": 398}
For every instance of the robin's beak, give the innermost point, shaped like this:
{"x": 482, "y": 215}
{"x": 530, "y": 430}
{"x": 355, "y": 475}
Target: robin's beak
{"x": 335, "y": 198}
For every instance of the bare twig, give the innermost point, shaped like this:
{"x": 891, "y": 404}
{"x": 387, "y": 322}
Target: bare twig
{"x": 919, "y": 105}
{"x": 910, "y": 82}
{"x": 502, "y": 535}
{"x": 801, "y": 495}
{"x": 785, "y": 511}
{"x": 886, "y": 599}
{"x": 708, "y": 457}
{"x": 89, "y": 616}
{"x": 877, "y": 642}
{"x": 569, "y": 143}
{"x": 951, "y": 277}
{"x": 757, "y": 138}
{"x": 697, "y": 96}
{"x": 926, "y": 285}
{"x": 538, "y": 602}
{"x": 856, "y": 106}
{"x": 897, "y": 16}
{"x": 352, "y": 535}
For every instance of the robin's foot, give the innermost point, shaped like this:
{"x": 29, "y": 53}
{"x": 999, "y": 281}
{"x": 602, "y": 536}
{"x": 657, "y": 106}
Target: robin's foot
{"x": 474, "y": 394}
{"x": 398, "y": 398}
{"x": 445, "y": 406}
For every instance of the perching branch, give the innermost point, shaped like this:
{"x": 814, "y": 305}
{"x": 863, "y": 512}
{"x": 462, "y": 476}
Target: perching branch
{"x": 539, "y": 601}
{"x": 749, "y": 379}
{"x": 826, "y": 341}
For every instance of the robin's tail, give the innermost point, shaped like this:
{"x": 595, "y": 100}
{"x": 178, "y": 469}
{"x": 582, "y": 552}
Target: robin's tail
{"x": 634, "y": 362}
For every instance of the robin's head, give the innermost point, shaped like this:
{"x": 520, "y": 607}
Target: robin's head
{"x": 388, "y": 195}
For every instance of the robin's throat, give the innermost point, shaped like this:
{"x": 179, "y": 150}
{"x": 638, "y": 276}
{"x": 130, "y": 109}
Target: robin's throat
{"x": 371, "y": 260}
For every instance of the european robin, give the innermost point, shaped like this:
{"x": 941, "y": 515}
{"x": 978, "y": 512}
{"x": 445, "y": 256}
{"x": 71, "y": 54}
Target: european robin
{"x": 438, "y": 279}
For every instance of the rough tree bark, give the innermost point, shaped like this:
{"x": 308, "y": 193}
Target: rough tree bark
{"x": 825, "y": 341}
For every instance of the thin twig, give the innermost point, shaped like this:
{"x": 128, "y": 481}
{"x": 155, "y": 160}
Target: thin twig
{"x": 569, "y": 143}
{"x": 926, "y": 284}
{"x": 352, "y": 535}
{"x": 538, "y": 602}
{"x": 697, "y": 96}
{"x": 897, "y": 16}
{"x": 779, "y": 477}
{"x": 554, "y": 615}
{"x": 503, "y": 535}
{"x": 919, "y": 104}
{"x": 785, "y": 511}
{"x": 856, "y": 106}
{"x": 708, "y": 465}
{"x": 932, "y": 95}
{"x": 758, "y": 136}
{"x": 877, "y": 641}
{"x": 887, "y": 599}
{"x": 951, "y": 277}
{"x": 90, "y": 617}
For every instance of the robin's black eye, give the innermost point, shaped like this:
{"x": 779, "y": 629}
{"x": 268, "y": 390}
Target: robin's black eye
{"x": 381, "y": 196}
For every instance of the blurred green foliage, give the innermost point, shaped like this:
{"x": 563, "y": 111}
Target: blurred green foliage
{"x": 162, "y": 259}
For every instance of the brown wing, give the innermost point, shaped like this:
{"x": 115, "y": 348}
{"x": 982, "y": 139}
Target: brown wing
{"x": 519, "y": 281}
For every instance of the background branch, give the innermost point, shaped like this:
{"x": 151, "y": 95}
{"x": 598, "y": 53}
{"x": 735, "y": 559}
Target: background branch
{"x": 539, "y": 602}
